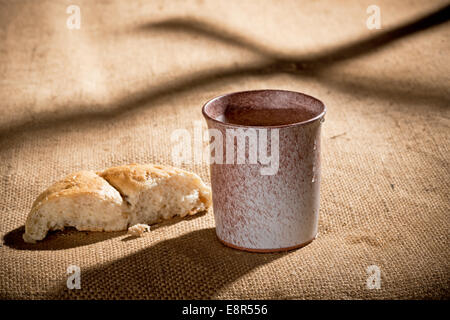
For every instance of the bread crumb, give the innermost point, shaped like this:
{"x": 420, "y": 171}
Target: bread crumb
{"x": 138, "y": 230}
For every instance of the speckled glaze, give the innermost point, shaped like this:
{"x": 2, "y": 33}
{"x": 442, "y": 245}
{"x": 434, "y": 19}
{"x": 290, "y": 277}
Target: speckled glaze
{"x": 267, "y": 213}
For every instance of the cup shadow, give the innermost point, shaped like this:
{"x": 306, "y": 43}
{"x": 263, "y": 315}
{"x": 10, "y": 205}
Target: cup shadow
{"x": 72, "y": 238}
{"x": 192, "y": 266}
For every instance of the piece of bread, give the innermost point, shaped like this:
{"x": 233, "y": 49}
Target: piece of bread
{"x": 115, "y": 199}
{"x": 138, "y": 230}
{"x": 82, "y": 200}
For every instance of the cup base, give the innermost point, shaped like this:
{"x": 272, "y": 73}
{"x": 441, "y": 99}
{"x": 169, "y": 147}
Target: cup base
{"x": 267, "y": 250}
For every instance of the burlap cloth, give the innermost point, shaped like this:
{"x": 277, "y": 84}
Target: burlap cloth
{"x": 114, "y": 91}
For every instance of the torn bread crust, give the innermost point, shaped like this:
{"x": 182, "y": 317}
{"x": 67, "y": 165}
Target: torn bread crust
{"x": 116, "y": 198}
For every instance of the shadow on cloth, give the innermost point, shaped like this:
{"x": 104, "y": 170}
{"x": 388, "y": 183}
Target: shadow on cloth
{"x": 192, "y": 266}
{"x": 72, "y": 238}
{"x": 322, "y": 60}
{"x": 57, "y": 240}
{"x": 312, "y": 66}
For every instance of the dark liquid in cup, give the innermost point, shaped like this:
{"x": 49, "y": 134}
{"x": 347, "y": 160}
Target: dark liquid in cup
{"x": 265, "y": 117}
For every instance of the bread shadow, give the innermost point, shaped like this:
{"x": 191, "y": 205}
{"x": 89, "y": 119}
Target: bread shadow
{"x": 58, "y": 240}
{"x": 72, "y": 238}
{"x": 194, "y": 265}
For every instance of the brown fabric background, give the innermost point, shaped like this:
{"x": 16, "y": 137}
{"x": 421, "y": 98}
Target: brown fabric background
{"x": 113, "y": 91}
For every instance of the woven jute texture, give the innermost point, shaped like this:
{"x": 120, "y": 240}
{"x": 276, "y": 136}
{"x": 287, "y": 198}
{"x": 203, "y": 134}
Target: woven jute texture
{"x": 115, "y": 90}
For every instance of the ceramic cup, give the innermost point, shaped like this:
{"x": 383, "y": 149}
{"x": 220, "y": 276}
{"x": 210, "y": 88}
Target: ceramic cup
{"x": 265, "y": 168}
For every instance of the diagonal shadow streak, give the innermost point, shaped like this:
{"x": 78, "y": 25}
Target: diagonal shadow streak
{"x": 317, "y": 61}
{"x": 301, "y": 66}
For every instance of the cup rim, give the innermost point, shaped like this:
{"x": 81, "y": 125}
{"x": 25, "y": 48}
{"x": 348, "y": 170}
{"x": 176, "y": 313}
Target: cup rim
{"x": 315, "y": 118}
